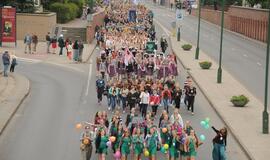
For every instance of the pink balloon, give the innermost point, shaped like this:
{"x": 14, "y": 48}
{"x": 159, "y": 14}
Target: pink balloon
{"x": 117, "y": 154}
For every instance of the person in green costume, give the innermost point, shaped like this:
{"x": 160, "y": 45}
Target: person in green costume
{"x": 119, "y": 134}
{"x": 137, "y": 141}
{"x": 101, "y": 144}
{"x": 152, "y": 141}
{"x": 173, "y": 146}
{"x": 164, "y": 124}
{"x": 125, "y": 145}
{"x": 183, "y": 153}
{"x": 191, "y": 146}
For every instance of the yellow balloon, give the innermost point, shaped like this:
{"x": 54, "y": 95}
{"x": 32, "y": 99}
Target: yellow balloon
{"x": 166, "y": 146}
{"x": 146, "y": 153}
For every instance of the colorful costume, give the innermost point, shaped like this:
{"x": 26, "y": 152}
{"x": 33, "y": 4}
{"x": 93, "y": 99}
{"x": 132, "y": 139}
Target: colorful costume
{"x": 192, "y": 148}
{"x": 125, "y": 146}
{"x": 174, "y": 148}
{"x": 102, "y": 149}
{"x": 137, "y": 144}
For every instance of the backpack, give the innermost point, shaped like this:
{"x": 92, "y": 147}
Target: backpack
{"x": 100, "y": 83}
{"x": 14, "y": 61}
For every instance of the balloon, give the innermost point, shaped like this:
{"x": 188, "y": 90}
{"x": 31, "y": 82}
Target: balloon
{"x": 202, "y": 137}
{"x": 166, "y": 146}
{"x": 164, "y": 130}
{"x": 207, "y": 119}
{"x": 146, "y": 153}
{"x": 203, "y": 123}
{"x": 206, "y": 126}
{"x": 112, "y": 139}
{"x": 86, "y": 141}
{"x": 109, "y": 143}
{"x": 78, "y": 126}
{"x": 117, "y": 154}
{"x": 163, "y": 150}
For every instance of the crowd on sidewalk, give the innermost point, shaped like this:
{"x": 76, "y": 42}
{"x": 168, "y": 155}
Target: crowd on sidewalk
{"x": 132, "y": 80}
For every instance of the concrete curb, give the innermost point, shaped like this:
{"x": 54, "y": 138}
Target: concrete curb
{"x": 22, "y": 91}
{"x": 243, "y": 147}
{"x": 89, "y": 56}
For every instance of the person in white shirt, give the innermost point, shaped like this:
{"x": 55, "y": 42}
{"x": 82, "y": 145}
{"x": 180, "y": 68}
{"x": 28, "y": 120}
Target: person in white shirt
{"x": 176, "y": 117}
{"x": 145, "y": 98}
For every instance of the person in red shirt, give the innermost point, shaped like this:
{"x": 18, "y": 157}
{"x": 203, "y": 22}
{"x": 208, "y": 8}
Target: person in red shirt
{"x": 166, "y": 98}
{"x": 154, "y": 102}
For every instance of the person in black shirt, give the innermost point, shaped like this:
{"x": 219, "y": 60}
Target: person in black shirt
{"x": 177, "y": 97}
{"x": 191, "y": 97}
{"x": 219, "y": 142}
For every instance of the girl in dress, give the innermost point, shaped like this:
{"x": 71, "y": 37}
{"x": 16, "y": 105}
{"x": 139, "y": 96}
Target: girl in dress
{"x": 191, "y": 145}
{"x": 174, "y": 145}
{"x": 101, "y": 144}
{"x": 125, "y": 145}
{"x": 152, "y": 141}
{"x": 137, "y": 141}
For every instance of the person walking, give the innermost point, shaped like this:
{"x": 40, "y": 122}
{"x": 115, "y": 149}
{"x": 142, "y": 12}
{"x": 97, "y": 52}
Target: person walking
{"x": 61, "y": 44}
{"x": 145, "y": 98}
{"x": 75, "y": 51}
{"x": 100, "y": 85}
{"x": 35, "y": 42}
{"x": 69, "y": 50}
{"x": 6, "y": 62}
{"x": 219, "y": 144}
{"x": 13, "y": 63}
{"x": 54, "y": 44}
{"x": 163, "y": 44}
{"x": 166, "y": 98}
{"x": 81, "y": 46}
{"x": 191, "y": 97}
{"x": 48, "y": 41}
{"x": 27, "y": 42}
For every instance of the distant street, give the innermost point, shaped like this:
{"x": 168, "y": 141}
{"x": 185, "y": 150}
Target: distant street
{"x": 243, "y": 58}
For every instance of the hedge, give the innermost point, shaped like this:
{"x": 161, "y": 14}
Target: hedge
{"x": 65, "y": 11}
{"x": 80, "y": 4}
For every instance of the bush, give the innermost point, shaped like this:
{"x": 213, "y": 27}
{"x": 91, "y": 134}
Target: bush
{"x": 65, "y": 11}
{"x": 239, "y": 101}
{"x": 205, "y": 64}
{"x": 80, "y": 4}
{"x": 186, "y": 47}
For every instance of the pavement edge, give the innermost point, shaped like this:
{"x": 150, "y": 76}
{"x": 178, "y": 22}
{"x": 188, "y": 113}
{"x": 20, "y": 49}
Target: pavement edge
{"x": 243, "y": 147}
{"x": 24, "y": 86}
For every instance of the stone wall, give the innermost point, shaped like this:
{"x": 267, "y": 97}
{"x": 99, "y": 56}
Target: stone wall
{"x": 98, "y": 20}
{"x": 247, "y": 21}
{"x": 38, "y": 24}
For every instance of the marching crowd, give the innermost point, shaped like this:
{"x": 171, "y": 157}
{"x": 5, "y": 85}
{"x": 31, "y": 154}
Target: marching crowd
{"x": 132, "y": 80}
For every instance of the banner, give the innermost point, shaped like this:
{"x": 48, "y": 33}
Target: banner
{"x": 132, "y": 16}
{"x": 8, "y": 25}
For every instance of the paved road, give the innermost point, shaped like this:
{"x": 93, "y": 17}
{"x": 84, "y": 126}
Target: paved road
{"x": 243, "y": 58}
{"x": 43, "y": 127}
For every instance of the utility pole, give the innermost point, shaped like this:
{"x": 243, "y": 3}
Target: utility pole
{"x": 219, "y": 74}
{"x": 199, "y": 28}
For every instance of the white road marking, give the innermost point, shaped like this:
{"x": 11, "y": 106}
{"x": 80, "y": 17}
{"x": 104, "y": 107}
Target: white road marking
{"x": 167, "y": 32}
{"x": 64, "y": 66}
{"x": 258, "y": 63}
{"x": 89, "y": 78}
{"x": 245, "y": 55}
{"x": 28, "y": 60}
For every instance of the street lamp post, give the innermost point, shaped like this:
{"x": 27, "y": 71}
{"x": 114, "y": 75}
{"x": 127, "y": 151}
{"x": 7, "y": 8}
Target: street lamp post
{"x": 265, "y": 113}
{"x": 198, "y": 37}
{"x": 219, "y": 73}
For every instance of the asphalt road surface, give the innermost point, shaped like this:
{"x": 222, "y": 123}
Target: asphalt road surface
{"x": 44, "y": 126}
{"x": 243, "y": 58}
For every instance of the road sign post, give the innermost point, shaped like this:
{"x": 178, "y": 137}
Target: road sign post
{"x": 198, "y": 36}
{"x": 265, "y": 113}
{"x": 219, "y": 74}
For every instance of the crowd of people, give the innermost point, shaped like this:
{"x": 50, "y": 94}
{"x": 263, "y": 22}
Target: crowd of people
{"x": 74, "y": 50}
{"x": 133, "y": 79}
{"x": 9, "y": 62}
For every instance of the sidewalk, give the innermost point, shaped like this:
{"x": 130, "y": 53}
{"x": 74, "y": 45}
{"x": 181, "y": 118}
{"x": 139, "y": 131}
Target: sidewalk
{"x": 245, "y": 123}
{"x": 43, "y": 56}
{"x": 13, "y": 90}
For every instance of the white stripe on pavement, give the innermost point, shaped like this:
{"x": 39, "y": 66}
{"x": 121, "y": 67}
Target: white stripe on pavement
{"x": 89, "y": 78}
{"x": 28, "y": 60}
{"x": 167, "y": 32}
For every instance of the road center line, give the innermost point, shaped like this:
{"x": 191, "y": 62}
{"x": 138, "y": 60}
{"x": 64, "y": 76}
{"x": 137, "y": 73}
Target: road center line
{"x": 258, "y": 63}
{"x": 167, "y": 32}
{"x": 89, "y": 78}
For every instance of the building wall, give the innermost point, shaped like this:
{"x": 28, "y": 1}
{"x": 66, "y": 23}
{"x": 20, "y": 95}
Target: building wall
{"x": 247, "y": 21}
{"x": 38, "y": 24}
{"x": 98, "y": 20}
